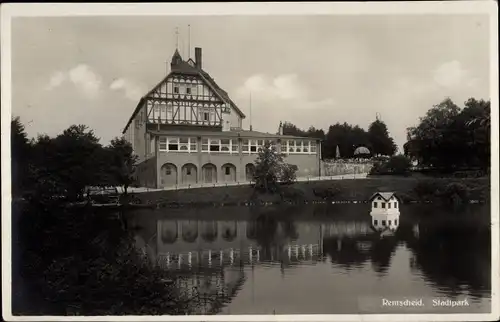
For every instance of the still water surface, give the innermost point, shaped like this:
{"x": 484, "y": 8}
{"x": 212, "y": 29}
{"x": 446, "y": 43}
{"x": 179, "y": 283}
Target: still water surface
{"x": 325, "y": 260}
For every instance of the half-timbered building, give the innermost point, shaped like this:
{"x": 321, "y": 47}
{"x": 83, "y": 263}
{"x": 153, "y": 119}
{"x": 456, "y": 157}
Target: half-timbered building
{"x": 187, "y": 130}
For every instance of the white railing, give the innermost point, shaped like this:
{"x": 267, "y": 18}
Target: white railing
{"x": 244, "y": 183}
{"x": 232, "y": 256}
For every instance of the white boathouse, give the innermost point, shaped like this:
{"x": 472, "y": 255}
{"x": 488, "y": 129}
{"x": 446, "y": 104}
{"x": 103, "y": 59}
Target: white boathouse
{"x": 385, "y": 210}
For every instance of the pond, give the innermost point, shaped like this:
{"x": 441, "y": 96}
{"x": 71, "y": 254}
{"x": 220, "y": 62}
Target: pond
{"x": 324, "y": 260}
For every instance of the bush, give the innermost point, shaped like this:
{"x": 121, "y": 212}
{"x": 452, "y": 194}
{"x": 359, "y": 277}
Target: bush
{"x": 456, "y": 193}
{"x": 396, "y": 165}
{"x": 426, "y": 189}
{"x": 86, "y": 264}
{"x": 327, "y": 193}
{"x": 399, "y": 164}
{"x": 289, "y": 173}
{"x": 291, "y": 194}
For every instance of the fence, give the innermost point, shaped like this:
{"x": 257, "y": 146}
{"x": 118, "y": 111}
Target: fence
{"x": 342, "y": 168}
{"x": 246, "y": 183}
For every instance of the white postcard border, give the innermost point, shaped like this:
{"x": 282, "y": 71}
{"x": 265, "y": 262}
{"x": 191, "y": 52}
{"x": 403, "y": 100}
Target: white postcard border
{"x": 11, "y": 10}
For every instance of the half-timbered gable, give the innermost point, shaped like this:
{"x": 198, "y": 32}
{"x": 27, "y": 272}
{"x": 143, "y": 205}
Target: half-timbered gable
{"x": 189, "y": 97}
{"x": 185, "y": 100}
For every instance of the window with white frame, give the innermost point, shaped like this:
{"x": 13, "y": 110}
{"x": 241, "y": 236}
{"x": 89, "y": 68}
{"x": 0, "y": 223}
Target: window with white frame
{"x": 254, "y": 146}
{"x": 220, "y": 145}
{"x": 183, "y": 144}
{"x": 225, "y": 145}
{"x": 284, "y": 147}
{"x": 215, "y": 145}
{"x": 162, "y": 144}
{"x": 313, "y": 147}
{"x": 204, "y": 145}
{"x": 235, "y": 147}
{"x": 206, "y": 115}
{"x": 298, "y": 146}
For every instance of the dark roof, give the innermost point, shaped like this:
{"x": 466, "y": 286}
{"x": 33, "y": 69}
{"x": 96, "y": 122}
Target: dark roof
{"x": 241, "y": 133}
{"x": 385, "y": 195}
{"x": 183, "y": 67}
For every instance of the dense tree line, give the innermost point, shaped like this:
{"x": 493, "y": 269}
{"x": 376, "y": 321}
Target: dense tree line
{"x": 68, "y": 163}
{"x": 346, "y": 138}
{"x": 80, "y": 261}
{"x": 449, "y": 137}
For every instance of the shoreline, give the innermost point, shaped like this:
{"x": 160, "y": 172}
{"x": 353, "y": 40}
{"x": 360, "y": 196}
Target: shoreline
{"x": 347, "y": 191}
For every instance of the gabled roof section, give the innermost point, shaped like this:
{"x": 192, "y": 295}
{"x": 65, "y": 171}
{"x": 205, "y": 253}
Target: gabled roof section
{"x": 221, "y": 92}
{"x": 179, "y": 66}
{"x": 384, "y": 195}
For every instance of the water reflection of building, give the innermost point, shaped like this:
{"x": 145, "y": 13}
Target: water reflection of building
{"x": 211, "y": 243}
{"x": 385, "y": 211}
{"x": 211, "y": 256}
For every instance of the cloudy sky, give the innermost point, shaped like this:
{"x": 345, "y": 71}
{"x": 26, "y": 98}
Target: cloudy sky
{"x": 309, "y": 70}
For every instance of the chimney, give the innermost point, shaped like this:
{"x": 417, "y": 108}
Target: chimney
{"x": 280, "y": 129}
{"x": 197, "y": 57}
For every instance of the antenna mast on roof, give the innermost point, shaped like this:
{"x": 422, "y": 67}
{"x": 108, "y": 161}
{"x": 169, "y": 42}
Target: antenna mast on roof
{"x": 189, "y": 42}
{"x": 250, "y": 111}
{"x": 176, "y": 37}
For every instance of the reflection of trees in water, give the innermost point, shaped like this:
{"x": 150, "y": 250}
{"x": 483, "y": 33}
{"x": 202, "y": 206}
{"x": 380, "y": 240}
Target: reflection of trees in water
{"x": 354, "y": 251}
{"x": 252, "y": 229}
{"x": 381, "y": 254}
{"x": 169, "y": 231}
{"x": 265, "y": 230}
{"x": 190, "y": 231}
{"x": 229, "y": 230}
{"x": 211, "y": 291}
{"x": 290, "y": 230}
{"x": 209, "y": 231}
{"x": 344, "y": 252}
{"x": 453, "y": 255}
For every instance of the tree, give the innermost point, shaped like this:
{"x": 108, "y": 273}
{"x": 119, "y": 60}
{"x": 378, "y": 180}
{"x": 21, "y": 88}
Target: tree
{"x": 69, "y": 162}
{"x": 347, "y": 138}
{"x": 399, "y": 164}
{"x": 269, "y": 169}
{"x": 448, "y": 137}
{"x": 123, "y": 163}
{"x": 20, "y": 151}
{"x": 380, "y": 141}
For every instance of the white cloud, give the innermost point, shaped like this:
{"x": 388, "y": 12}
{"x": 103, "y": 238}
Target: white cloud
{"x": 451, "y": 75}
{"x": 131, "y": 90}
{"x": 83, "y": 78}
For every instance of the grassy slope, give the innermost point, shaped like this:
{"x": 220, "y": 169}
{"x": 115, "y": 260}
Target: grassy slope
{"x": 351, "y": 189}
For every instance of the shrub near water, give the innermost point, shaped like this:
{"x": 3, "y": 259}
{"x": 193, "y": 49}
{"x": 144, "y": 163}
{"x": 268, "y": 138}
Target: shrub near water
{"x": 86, "y": 264}
{"x": 396, "y": 165}
{"x": 456, "y": 193}
{"x": 444, "y": 191}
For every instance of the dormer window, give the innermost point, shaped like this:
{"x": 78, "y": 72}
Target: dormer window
{"x": 375, "y": 205}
